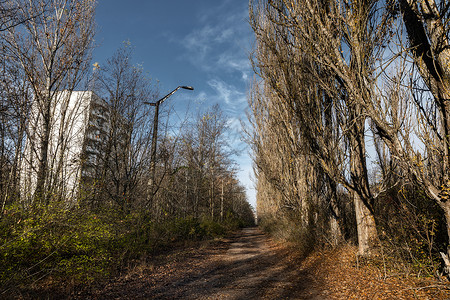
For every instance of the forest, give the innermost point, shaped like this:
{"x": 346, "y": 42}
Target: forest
{"x": 350, "y": 122}
{"x": 73, "y": 216}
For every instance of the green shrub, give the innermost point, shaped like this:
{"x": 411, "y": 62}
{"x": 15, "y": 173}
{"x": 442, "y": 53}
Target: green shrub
{"x": 55, "y": 242}
{"x": 81, "y": 245}
{"x": 212, "y": 228}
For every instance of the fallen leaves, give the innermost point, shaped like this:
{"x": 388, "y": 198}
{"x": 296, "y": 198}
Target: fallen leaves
{"x": 262, "y": 269}
{"x": 341, "y": 278}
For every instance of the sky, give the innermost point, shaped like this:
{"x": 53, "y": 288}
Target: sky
{"x": 201, "y": 43}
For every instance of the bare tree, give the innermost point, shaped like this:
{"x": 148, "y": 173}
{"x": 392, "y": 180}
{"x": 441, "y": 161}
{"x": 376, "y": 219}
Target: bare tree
{"x": 428, "y": 34}
{"x": 53, "y": 51}
{"x": 344, "y": 49}
{"x": 11, "y": 15}
{"x": 125, "y": 87}
{"x": 14, "y": 109}
{"x": 207, "y": 160}
{"x": 303, "y": 62}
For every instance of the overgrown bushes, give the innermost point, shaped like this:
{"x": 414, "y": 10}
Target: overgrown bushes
{"x": 412, "y": 231}
{"x": 81, "y": 245}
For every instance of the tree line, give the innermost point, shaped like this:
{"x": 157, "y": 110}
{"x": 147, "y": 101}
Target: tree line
{"x": 350, "y": 122}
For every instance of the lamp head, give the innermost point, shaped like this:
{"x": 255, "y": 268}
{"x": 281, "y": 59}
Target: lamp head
{"x": 187, "y": 87}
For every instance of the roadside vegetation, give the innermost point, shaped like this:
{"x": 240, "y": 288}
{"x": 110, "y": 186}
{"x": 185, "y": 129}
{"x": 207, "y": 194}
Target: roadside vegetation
{"x": 60, "y": 248}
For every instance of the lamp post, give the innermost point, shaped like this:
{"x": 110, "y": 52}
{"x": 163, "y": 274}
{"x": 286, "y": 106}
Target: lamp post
{"x": 151, "y": 182}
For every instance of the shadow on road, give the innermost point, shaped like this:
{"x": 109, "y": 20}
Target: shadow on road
{"x": 245, "y": 266}
{"x": 250, "y": 269}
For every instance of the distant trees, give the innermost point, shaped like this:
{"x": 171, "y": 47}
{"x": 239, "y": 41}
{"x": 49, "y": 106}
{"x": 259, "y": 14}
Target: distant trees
{"x": 332, "y": 71}
{"x": 199, "y": 173}
{"x": 194, "y": 171}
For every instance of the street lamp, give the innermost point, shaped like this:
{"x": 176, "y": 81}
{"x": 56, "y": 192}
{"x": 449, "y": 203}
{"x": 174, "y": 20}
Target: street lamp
{"x": 151, "y": 182}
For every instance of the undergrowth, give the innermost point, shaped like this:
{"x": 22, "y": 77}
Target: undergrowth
{"x": 411, "y": 233}
{"x": 79, "y": 246}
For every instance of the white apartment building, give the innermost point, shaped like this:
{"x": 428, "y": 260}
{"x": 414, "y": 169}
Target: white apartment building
{"x": 80, "y": 123}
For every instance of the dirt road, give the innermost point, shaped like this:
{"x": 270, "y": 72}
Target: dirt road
{"x": 251, "y": 269}
{"x": 245, "y": 266}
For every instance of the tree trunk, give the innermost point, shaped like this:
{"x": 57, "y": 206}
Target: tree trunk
{"x": 335, "y": 217}
{"x": 365, "y": 222}
{"x": 41, "y": 188}
{"x": 212, "y": 198}
{"x": 221, "y": 203}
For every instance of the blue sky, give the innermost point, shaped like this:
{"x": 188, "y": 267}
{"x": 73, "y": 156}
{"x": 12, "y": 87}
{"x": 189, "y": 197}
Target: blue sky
{"x": 202, "y": 43}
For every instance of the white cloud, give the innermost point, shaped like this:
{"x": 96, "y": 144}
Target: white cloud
{"x": 201, "y": 98}
{"x": 222, "y": 42}
{"x": 198, "y": 45}
{"x": 232, "y": 96}
{"x": 224, "y": 35}
{"x": 234, "y": 124}
{"x": 233, "y": 62}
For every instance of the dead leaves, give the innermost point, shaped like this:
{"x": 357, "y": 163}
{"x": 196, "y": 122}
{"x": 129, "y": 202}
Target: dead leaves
{"x": 341, "y": 278}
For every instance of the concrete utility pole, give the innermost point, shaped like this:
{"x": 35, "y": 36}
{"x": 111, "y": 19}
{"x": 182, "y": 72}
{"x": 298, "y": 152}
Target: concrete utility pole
{"x": 151, "y": 182}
